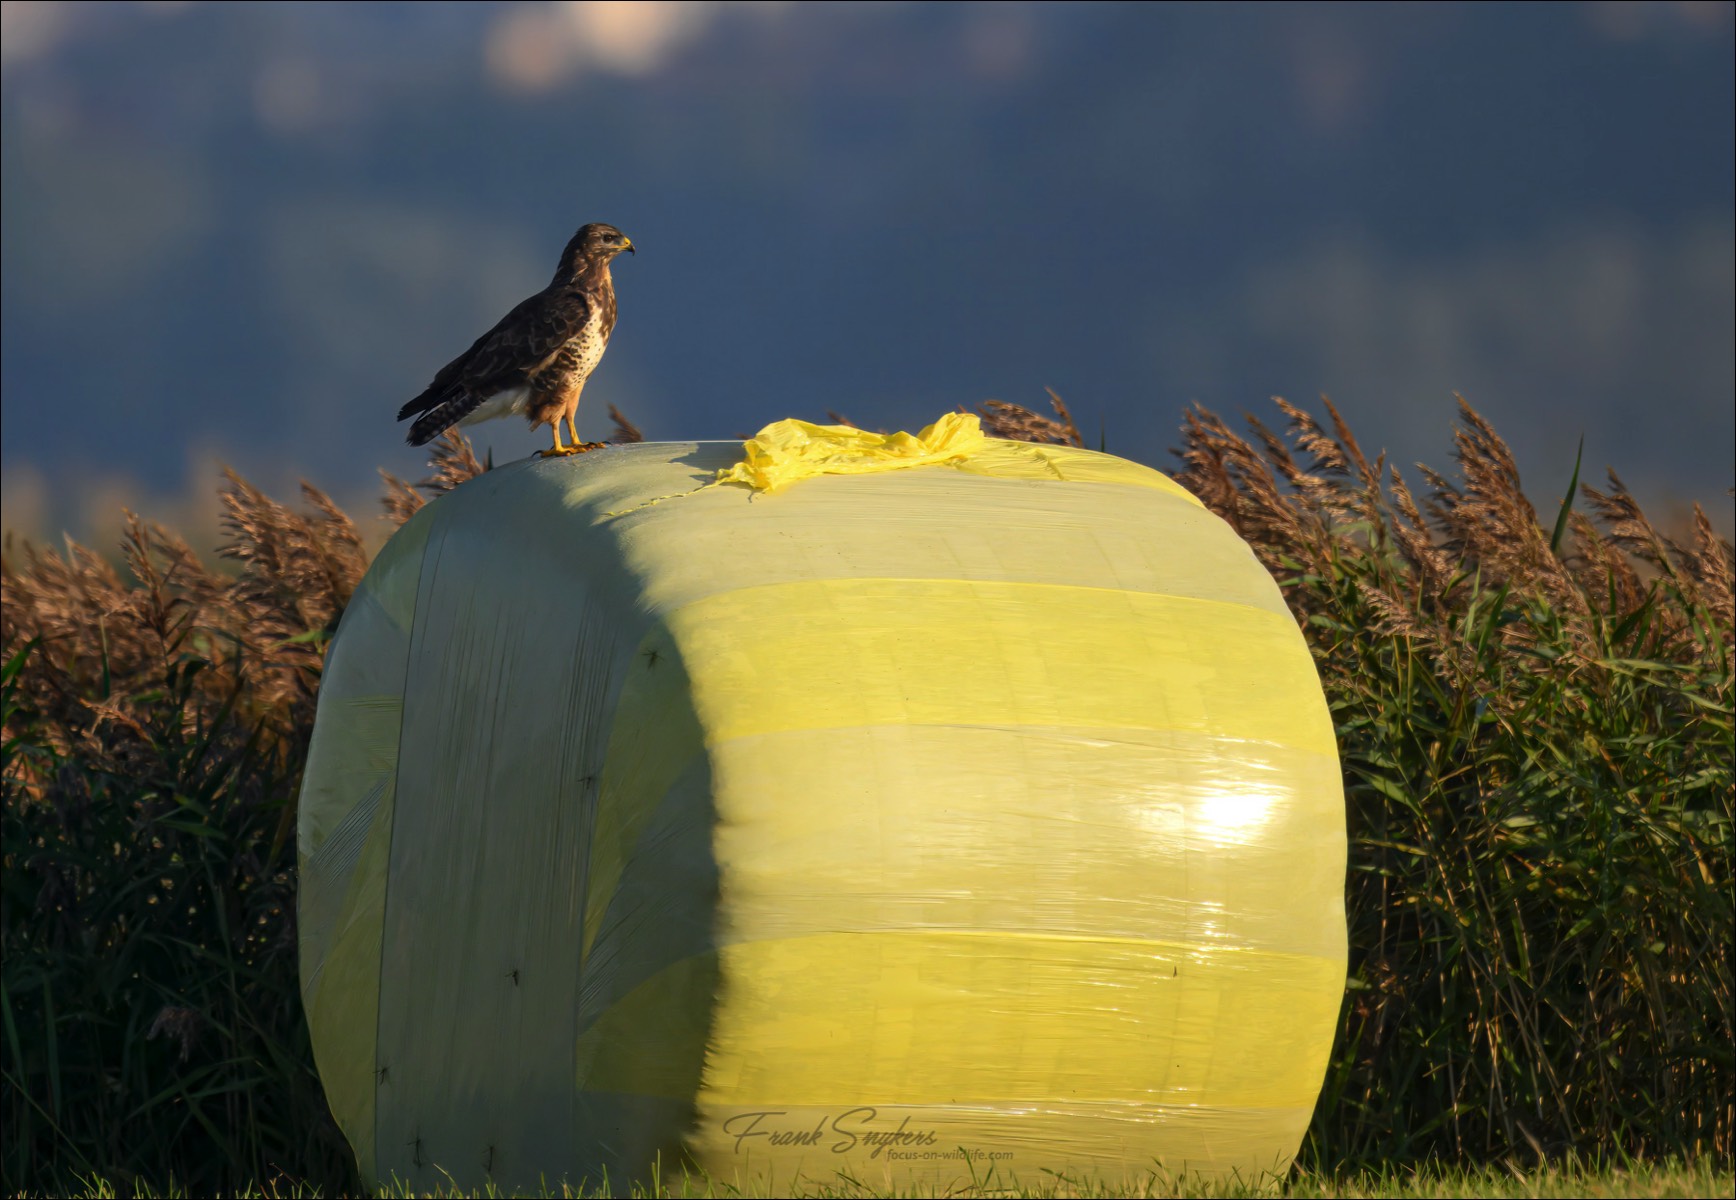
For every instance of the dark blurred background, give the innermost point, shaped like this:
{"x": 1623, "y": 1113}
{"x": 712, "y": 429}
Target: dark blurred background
{"x": 248, "y": 232}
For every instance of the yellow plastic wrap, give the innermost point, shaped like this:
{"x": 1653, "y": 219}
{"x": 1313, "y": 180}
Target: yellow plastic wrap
{"x": 986, "y": 810}
{"x": 789, "y": 451}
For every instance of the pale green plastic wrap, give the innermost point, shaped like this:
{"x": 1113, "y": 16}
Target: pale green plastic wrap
{"x": 984, "y": 808}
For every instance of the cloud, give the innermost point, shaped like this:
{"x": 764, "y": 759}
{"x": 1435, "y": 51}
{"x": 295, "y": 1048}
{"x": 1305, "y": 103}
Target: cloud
{"x": 289, "y": 94}
{"x": 533, "y": 48}
{"x": 1632, "y": 20}
{"x": 32, "y": 30}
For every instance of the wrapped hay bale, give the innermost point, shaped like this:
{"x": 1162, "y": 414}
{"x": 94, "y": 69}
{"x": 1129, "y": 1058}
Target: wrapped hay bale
{"x": 902, "y": 823}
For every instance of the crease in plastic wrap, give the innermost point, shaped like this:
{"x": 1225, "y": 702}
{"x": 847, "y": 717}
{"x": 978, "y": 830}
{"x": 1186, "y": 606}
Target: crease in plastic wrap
{"x": 899, "y": 824}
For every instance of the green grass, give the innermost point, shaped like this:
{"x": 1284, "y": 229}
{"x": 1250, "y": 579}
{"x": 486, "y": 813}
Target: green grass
{"x": 1567, "y": 1181}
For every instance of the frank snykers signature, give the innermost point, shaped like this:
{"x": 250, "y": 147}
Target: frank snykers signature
{"x": 840, "y": 1132}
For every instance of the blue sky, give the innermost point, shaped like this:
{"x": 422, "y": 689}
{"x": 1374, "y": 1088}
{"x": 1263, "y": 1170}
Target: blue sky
{"x": 247, "y": 233}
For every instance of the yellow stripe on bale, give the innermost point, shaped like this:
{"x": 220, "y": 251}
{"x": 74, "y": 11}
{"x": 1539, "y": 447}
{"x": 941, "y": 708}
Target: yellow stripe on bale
{"x": 844, "y": 652}
{"x": 919, "y": 1017}
{"x": 893, "y": 795}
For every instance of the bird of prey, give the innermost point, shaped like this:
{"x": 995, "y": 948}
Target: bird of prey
{"x": 536, "y": 360}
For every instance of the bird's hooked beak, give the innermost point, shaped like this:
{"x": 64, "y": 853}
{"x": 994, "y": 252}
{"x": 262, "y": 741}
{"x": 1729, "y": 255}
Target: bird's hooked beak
{"x": 627, "y": 245}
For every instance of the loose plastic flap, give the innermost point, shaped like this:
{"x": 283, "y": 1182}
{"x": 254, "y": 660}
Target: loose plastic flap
{"x": 901, "y": 824}
{"x": 790, "y": 450}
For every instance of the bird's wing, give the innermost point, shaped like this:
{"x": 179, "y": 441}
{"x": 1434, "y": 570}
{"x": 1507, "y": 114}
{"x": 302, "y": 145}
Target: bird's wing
{"x": 503, "y": 357}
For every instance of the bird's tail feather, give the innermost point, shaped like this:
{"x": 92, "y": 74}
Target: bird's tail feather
{"x": 421, "y": 404}
{"x": 438, "y": 414}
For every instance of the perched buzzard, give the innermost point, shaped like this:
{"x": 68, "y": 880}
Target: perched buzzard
{"x": 536, "y": 360}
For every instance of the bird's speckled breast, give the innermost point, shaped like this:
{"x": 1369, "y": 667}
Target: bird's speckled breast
{"x": 588, "y": 345}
